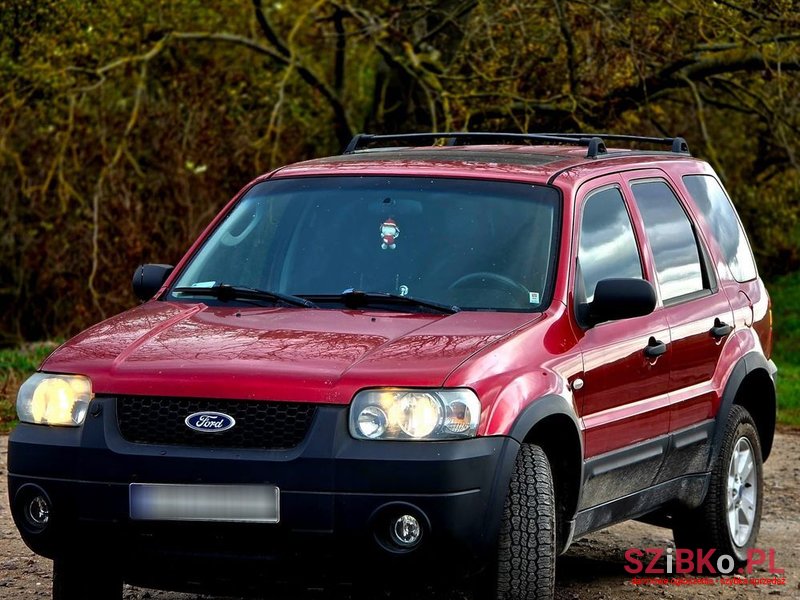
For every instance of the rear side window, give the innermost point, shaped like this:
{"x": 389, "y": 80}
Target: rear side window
{"x": 725, "y": 226}
{"x": 672, "y": 239}
{"x": 608, "y": 246}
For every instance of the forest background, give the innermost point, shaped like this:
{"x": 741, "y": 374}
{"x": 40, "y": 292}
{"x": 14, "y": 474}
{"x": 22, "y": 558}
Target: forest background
{"x": 125, "y": 126}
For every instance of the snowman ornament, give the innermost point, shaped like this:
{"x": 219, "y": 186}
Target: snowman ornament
{"x": 389, "y": 233}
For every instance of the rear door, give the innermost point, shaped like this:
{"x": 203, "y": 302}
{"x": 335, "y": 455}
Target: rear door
{"x": 737, "y": 269}
{"x": 698, "y": 313}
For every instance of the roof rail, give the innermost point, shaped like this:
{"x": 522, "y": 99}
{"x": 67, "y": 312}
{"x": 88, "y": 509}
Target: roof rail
{"x": 677, "y": 144}
{"x": 594, "y": 142}
{"x": 594, "y": 145}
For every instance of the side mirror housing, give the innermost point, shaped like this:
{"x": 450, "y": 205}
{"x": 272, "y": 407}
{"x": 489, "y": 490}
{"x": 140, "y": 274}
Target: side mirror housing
{"x": 616, "y": 299}
{"x": 148, "y": 279}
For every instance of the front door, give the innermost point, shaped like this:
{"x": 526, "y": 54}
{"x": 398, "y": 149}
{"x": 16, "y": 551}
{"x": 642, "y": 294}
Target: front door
{"x": 623, "y": 394}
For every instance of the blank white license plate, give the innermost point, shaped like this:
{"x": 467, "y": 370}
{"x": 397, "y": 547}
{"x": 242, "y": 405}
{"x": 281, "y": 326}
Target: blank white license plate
{"x": 235, "y": 503}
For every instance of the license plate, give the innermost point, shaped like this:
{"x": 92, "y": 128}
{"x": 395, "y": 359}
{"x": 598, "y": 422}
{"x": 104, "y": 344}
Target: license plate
{"x": 234, "y": 503}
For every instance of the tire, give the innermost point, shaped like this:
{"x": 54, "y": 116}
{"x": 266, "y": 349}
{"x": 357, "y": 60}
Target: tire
{"x": 526, "y": 553}
{"x": 711, "y": 525}
{"x": 85, "y": 580}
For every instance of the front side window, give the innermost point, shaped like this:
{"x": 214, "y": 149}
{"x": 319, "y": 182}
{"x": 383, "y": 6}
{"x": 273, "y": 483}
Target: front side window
{"x": 671, "y": 235}
{"x": 481, "y": 245}
{"x": 607, "y": 245}
{"x": 725, "y": 226}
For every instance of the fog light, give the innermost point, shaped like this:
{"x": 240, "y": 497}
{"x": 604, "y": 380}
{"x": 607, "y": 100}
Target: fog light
{"x": 406, "y": 531}
{"x": 37, "y": 512}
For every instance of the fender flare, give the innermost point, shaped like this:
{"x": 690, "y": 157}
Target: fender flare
{"x": 542, "y": 407}
{"x": 750, "y": 362}
{"x": 538, "y": 410}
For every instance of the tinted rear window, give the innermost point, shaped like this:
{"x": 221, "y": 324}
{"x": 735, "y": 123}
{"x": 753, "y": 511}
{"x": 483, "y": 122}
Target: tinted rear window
{"x": 672, "y": 240}
{"x": 720, "y": 215}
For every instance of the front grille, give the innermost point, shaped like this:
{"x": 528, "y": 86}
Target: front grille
{"x": 259, "y": 424}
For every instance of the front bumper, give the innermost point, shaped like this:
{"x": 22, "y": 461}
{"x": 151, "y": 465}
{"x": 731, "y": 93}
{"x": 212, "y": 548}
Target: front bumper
{"x": 336, "y": 494}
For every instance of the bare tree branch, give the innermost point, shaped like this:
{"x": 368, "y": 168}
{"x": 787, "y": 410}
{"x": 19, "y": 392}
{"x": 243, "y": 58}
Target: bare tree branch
{"x": 230, "y": 38}
{"x": 341, "y": 46}
{"x": 450, "y": 19}
{"x": 746, "y": 11}
{"x": 268, "y": 31}
{"x": 723, "y": 46}
{"x": 669, "y": 78}
{"x": 342, "y": 126}
{"x": 566, "y": 34}
{"x": 341, "y": 122}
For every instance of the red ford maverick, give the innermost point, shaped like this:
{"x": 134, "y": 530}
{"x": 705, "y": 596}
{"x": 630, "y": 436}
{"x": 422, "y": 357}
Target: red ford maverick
{"x": 440, "y": 355}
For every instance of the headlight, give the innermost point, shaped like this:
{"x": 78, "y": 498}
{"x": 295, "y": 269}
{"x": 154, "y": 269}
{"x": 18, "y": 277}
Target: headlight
{"x": 414, "y": 414}
{"x": 50, "y": 399}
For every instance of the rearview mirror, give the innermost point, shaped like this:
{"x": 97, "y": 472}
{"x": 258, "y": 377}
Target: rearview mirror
{"x": 148, "y": 279}
{"x": 616, "y": 299}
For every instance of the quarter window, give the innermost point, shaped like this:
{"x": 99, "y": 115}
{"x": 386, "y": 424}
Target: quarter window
{"x": 672, "y": 240}
{"x": 608, "y": 246}
{"x": 725, "y": 226}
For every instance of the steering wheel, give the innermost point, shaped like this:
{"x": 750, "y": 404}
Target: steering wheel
{"x": 512, "y": 286}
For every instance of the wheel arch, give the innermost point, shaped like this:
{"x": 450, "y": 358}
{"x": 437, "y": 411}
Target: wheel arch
{"x": 550, "y": 422}
{"x": 750, "y": 385}
{"x": 757, "y": 394}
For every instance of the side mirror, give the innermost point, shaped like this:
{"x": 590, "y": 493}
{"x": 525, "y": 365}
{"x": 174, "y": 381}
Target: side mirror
{"x": 616, "y": 299}
{"x": 148, "y": 279}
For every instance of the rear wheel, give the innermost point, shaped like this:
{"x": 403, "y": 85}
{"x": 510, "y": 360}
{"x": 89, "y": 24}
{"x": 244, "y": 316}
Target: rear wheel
{"x": 526, "y": 555}
{"x": 85, "y": 581}
{"x": 730, "y": 516}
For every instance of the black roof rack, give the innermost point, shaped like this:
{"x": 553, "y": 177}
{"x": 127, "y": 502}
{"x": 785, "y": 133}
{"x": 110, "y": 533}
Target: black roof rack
{"x": 594, "y": 142}
{"x": 677, "y": 144}
{"x": 594, "y": 145}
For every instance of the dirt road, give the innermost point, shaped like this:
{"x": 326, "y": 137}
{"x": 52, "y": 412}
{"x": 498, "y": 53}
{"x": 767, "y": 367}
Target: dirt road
{"x": 592, "y": 569}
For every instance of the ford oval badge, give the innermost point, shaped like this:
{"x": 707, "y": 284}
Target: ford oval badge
{"x": 209, "y": 421}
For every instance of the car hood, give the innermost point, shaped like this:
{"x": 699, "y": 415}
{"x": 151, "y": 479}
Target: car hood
{"x": 194, "y": 350}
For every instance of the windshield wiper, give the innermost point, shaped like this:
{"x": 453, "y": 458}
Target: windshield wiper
{"x": 357, "y": 298}
{"x": 226, "y": 292}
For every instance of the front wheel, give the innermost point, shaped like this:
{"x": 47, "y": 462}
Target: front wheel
{"x": 526, "y": 554}
{"x": 85, "y": 581}
{"x": 730, "y": 516}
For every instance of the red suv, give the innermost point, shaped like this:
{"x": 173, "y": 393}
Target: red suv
{"x": 449, "y": 354}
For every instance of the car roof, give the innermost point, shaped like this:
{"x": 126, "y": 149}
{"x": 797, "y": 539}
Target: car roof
{"x": 534, "y": 163}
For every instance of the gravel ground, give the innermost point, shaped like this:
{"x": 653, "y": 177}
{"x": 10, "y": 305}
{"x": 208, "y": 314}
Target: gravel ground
{"x": 591, "y": 570}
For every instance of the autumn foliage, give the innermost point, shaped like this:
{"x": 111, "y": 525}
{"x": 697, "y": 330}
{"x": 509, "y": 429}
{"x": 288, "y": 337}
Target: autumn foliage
{"x": 124, "y": 126}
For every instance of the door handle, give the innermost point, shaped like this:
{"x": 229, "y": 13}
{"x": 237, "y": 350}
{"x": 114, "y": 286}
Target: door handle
{"x": 720, "y": 328}
{"x": 655, "y": 348}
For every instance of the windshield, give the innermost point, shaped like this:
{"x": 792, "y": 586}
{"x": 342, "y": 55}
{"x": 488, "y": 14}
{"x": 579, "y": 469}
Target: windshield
{"x": 470, "y": 244}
